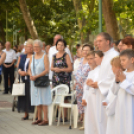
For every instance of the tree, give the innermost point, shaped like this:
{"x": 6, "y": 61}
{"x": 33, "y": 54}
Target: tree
{"x": 28, "y": 20}
{"x": 110, "y": 19}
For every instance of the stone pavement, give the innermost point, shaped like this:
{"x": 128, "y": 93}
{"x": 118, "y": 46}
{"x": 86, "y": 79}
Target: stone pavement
{"x": 10, "y": 122}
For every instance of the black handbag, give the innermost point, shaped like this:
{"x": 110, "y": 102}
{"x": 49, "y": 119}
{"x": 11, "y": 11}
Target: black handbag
{"x": 42, "y": 81}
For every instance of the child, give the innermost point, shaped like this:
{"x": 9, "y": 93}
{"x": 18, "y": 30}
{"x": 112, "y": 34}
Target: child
{"x": 93, "y": 100}
{"x": 124, "y": 109}
{"x": 92, "y": 64}
{"x": 110, "y": 101}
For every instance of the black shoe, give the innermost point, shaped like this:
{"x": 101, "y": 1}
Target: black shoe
{"x": 25, "y": 118}
{"x": 5, "y": 93}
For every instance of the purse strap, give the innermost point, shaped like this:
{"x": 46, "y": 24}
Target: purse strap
{"x": 34, "y": 65}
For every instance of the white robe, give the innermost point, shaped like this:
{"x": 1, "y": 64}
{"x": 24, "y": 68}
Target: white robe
{"x": 106, "y": 76}
{"x": 93, "y": 123}
{"x": 124, "y": 110}
{"x": 110, "y": 109}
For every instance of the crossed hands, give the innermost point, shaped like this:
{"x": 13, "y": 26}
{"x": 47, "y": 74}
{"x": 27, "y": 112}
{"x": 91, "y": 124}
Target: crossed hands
{"x": 84, "y": 103}
{"x": 57, "y": 70}
{"x": 33, "y": 78}
{"x": 91, "y": 83}
{"x": 120, "y": 76}
{"x": 7, "y": 66}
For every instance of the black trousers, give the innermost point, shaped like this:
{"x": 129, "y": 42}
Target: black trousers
{"x": 8, "y": 72}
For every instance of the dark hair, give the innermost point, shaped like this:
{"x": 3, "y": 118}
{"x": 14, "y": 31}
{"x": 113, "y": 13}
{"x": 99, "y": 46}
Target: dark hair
{"x": 117, "y": 42}
{"x": 61, "y": 40}
{"x": 78, "y": 45}
{"x": 99, "y": 53}
{"x": 88, "y": 45}
{"x": 128, "y": 52}
{"x": 2, "y": 44}
{"x": 128, "y": 41}
{"x": 106, "y": 37}
{"x": 15, "y": 46}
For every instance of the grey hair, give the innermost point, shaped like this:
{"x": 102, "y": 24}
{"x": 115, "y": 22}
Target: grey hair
{"x": 59, "y": 35}
{"x": 29, "y": 41}
{"x": 39, "y": 42}
{"x": 107, "y": 37}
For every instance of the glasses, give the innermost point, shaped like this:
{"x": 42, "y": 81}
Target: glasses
{"x": 85, "y": 50}
{"x": 36, "y": 46}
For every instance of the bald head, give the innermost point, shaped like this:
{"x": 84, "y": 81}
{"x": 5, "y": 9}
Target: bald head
{"x": 56, "y": 38}
{"x": 8, "y": 45}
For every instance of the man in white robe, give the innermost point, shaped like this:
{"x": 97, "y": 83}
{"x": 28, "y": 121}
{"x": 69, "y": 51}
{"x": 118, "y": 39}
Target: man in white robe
{"x": 106, "y": 76}
{"x": 53, "y": 51}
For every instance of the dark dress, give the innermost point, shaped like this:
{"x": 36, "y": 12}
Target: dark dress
{"x": 61, "y": 77}
{"x": 24, "y": 102}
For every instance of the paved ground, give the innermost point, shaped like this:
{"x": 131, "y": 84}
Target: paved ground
{"x": 10, "y": 122}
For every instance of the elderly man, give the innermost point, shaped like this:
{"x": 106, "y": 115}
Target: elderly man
{"x": 8, "y": 66}
{"x": 53, "y": 51}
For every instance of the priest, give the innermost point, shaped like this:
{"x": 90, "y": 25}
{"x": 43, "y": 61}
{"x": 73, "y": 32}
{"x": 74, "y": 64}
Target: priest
{"x": 106, "y": 77}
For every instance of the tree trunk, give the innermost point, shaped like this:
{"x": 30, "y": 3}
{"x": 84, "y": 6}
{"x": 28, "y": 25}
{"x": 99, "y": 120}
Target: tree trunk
{"x": 81, "y": 21}
{"x": 28, "y": 20}
{"x": 3, "y": 34}
{"x": 110, "y": 19}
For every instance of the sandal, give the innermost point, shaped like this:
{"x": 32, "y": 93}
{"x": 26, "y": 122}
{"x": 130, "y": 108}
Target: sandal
{"x": 43, "y": 123}
{"x": 36, "y": 122}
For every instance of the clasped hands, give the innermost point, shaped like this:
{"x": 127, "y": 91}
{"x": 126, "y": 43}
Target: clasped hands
{"x": 91, "y": 83}
{"x": 33, "y": 78}
{"x": 120, "y": 76}
{"x": 7, "y": 66}
{"x": 57, "y": 70}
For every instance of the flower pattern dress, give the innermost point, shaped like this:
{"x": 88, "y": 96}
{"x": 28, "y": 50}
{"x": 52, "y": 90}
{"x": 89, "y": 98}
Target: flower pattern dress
{"x": 80, "y": 77}
{"x": 61, "y": 77}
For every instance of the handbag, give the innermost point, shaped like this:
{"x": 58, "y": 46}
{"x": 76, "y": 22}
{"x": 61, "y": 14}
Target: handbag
{"x": 18, "y": 88}
{"x": 42, "y": 81}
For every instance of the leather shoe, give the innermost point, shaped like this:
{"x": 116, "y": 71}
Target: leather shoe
{"x": 36, "y": 122}
{"x": 43, "y": 123}
{"x": 25, "y": 118}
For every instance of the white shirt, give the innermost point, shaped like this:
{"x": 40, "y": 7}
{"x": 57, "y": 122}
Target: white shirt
{"x": 10, "y": 56}
{"x": 53, "y": 51}
{"x": 25, "y": 67}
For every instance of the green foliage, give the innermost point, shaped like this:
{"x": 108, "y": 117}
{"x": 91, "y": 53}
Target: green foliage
{"x": 59, "y": 17}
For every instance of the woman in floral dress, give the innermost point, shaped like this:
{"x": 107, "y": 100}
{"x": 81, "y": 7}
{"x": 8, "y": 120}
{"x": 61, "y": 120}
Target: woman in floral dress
{"x": 61, "y": 67}
{"x": 80, "y": 77}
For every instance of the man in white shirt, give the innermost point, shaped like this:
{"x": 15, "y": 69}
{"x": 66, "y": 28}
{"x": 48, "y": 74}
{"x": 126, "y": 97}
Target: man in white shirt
{"x": 53, "y": 51}
{"x": 8, "y": 66}
{"x": 104, "y": 43}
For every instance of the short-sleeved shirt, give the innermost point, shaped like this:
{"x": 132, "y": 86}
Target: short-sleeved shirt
{"x": 10, "y": 55}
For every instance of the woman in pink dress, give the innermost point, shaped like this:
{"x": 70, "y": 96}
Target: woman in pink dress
{"x": 80, "y": 77}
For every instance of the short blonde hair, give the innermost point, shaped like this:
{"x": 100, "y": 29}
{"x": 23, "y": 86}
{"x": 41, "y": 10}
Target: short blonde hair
{"x": 116, "y": 62}
{"x": 29, "y": 41}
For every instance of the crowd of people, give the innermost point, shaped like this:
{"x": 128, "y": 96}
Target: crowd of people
{"x": 103, "y": 79}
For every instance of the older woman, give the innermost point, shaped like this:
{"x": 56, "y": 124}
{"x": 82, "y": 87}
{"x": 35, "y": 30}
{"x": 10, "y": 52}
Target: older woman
{"x": 80, "y": 77}
{"x": 24, "y": 102}
{"x": 40, "y": 97}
